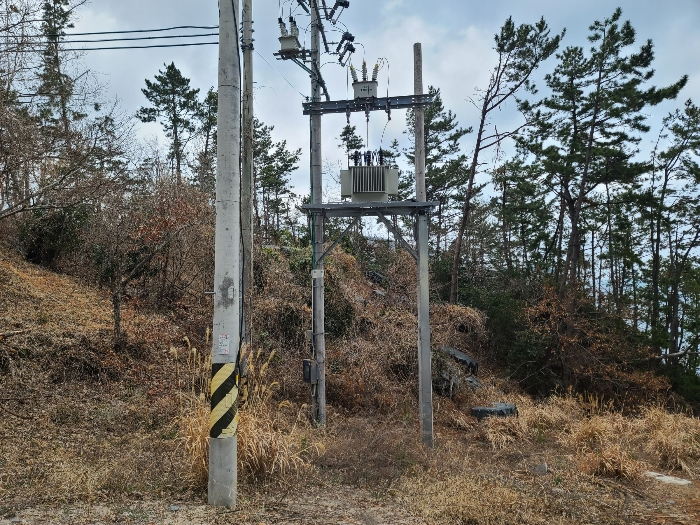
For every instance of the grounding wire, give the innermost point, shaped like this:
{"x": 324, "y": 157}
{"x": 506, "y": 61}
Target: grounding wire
{"x": 241, "y": 325}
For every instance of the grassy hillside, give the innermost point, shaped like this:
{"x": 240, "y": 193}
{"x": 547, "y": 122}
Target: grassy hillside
{"x": 89, "y": 434}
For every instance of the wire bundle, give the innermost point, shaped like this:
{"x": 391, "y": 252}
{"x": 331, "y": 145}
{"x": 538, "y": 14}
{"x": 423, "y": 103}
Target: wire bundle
{"x": 69, "y": 38}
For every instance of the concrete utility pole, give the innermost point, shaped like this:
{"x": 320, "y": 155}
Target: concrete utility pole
{"x": 319, "y": 336}
{"x": 419, "y": 129}
{"x": 223, "y": 441}
{"x": 425, "y": 381}
{"x": 247, "y": 188}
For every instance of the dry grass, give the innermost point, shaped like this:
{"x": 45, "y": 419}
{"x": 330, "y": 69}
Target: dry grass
{"x": 536, "y": 422}
{"x": 494, "y": 495}
{"x": 265, "y": 453}
{"x": 605, "y": 443}
{"x": 594, "y": 432}
{"x": 673, "y": 438}
{"x": 105, "y": 437}
{"x": 612, "y": 460}
{"x": 268, "y": 454}
{"x": 194, "y": 432}
{"x": 470, "y": 499}
{"x": 33, "y": 298}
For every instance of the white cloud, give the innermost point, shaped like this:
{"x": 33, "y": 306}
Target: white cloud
{"x": 457, "y": 37}
{"x": 393, "y": 4}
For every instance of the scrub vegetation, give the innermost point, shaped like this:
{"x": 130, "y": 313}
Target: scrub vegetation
{"x": 569, "y": 271}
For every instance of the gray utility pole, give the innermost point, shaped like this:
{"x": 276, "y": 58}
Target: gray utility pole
{"x": 223, "y": 440}
{"x": 317, "y": 278}
{"x": 247, "y": 188}
{"x": 425, "y": 381}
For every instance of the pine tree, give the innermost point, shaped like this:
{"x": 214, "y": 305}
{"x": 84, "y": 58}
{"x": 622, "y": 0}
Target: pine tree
{"x": 350, "y": 140}
{"x": 174, "y": 103}
{"x": 524, "y": 212}
{"x": 205, "y": 162}
{"x": 589, "y": 134}
{"x": 672, "y": 213}
{"x": 55, "y": 84}
{"x": 520, "y": 52}
{"x": 445, "y": 170}
{"x": 273, "y": 163}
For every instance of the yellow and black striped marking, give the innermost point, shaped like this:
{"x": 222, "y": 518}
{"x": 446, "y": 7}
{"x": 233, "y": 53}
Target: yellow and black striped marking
{"x": 224, "y": 401}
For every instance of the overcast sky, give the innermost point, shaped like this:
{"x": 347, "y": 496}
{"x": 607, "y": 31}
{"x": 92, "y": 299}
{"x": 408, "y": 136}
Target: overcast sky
{"x": 457, "y": 36}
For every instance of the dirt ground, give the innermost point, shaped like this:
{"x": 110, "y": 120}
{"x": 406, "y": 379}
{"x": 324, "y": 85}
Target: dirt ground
{"x": 344, "y": 505}
{"x": 317, "y": 505}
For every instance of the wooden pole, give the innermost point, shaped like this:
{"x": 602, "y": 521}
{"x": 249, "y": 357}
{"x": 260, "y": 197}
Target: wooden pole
{"x": 223, "y": 441}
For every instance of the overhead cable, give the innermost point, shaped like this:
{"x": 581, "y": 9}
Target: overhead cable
{"x": 130, "y": 38}
{"x": 120, "y": 47}
{"x": 136, "y": 31}
{"x": 280, "y": 74}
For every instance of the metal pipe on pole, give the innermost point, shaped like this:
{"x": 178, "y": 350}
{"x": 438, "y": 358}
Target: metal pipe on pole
{"x": 247, "y": 183}
{"x": 425, "y": 382}
{"x": 318, "y": 307}
{"x": 228, "y": 320}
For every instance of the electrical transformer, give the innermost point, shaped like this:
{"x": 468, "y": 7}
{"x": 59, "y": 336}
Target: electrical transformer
{"x": 289, "y": 45}
{"x": 365, "y": 88}
{"x": 289, "y": 40}
{"x": 369, "y": 183}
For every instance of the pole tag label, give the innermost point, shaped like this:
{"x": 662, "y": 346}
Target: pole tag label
{"x": 224, "y": 347}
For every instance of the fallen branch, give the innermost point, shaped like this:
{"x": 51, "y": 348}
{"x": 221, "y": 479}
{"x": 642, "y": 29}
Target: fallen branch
{"x": 677, "y": 354}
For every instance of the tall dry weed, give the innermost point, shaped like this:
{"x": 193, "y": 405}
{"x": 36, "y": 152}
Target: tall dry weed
{"x": 673, "y": 438}
{"x": 265, "y": 452}
{"x": 536, "y": 421}
{"x": 594, "y": 432}
{"x": 194, "y": 430}
{"x": 612, "y": 460}
{"x": 606, "y": 445}
{"x": 269, "y": 455}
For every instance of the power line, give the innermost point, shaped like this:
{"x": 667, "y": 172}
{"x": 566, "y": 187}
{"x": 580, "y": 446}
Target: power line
{"x": 136, "y": 31}
{"x": 122, "y": 47}
{"x": 280, "y": 74}
{"x": 130, "y": 38}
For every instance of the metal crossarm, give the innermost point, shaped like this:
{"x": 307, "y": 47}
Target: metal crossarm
{"x": 369, "y": 209}
{"x": 367, "y": 104}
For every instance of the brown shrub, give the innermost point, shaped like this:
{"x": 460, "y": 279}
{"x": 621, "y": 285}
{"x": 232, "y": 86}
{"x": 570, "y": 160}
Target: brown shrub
{"x": 593, "y": 352}
{"x": 534, "y": 423}
{"x": 612, "y": 460}
{"x": 673, "y": 438}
